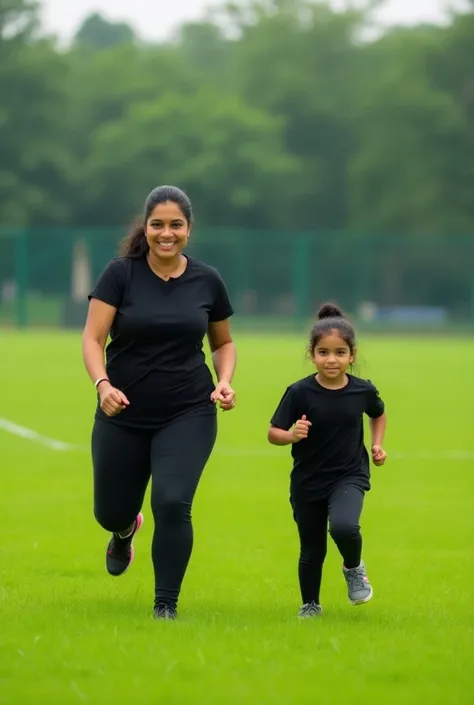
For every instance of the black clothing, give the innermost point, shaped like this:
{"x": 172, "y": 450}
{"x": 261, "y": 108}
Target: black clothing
{"x": 156, "y": 358}
{"x": 343, "y": 509}
{"x": 334, "y": 449}
{"x": 155, "y": 354}
{"x": 175, "y": 456}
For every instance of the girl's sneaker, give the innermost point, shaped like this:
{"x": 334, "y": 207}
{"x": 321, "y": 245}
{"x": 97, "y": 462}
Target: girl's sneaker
{"x": 359, "y": 589}
{"x": 166, "y": 612}
{"x": 310, "y": 609}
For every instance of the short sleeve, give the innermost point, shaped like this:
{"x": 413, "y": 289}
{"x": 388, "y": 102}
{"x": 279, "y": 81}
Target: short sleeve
{"x": 374, "y": 406}
{"x": 286, "y": 413}
{"x": 221, "y": 308}
{"x": 110, "y": 285}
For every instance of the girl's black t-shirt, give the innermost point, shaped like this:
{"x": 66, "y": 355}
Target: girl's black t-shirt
{"x": 334, "y": 449}
{"x": 155, "y": 354}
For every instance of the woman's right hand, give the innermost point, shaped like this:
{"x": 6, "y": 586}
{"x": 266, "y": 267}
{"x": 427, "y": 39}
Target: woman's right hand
{"x": 112, "y": 400}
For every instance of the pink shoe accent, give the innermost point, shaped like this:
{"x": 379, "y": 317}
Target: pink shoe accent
{"x": 139, "y": 523}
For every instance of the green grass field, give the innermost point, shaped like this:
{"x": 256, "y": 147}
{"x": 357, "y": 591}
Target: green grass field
{"x": 69, "y": 633}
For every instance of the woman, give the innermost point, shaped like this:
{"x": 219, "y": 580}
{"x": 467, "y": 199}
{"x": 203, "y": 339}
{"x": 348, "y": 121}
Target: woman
{"x": 156, "y": 414}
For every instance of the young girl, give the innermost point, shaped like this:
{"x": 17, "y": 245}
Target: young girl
{"x": 330, "y": 462}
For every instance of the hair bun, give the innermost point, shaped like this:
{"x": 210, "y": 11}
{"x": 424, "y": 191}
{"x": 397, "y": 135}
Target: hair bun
{"x": 330, "y": 311}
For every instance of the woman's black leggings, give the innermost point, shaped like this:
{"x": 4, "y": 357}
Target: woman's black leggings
{"x": 174, "y": 457}
{"x": 342, "y": 509}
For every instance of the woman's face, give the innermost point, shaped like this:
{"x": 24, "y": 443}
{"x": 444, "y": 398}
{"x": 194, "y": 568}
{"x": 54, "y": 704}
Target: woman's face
{"x": 167, "y": 231}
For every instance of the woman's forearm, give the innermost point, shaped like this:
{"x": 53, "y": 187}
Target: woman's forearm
{"x": 225, "y": 360}
{"x": 93, "y": 356}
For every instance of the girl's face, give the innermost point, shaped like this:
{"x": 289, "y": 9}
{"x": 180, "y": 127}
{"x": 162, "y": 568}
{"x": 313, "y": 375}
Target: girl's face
{"x": 332, "y": 356}
{"x": 167, "y": 231}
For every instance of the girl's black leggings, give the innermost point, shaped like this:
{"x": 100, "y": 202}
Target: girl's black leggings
{"x": 174, "y": 457}
{"x": 342, "y": 510}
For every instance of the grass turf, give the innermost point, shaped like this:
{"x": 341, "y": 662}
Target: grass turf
{"x": 69, "y": 633}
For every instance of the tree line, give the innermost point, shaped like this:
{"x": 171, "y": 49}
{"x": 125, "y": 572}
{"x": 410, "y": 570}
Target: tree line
{"x": 272, "y": 114}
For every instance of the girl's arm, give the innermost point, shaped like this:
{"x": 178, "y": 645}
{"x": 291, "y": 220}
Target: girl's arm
{"x": 377, "y": 429}
{"x": 280, "y": 437}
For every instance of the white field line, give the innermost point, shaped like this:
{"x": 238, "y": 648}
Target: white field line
{"x": 16, "y": 430}
{"x": 392, "y": 454}
{"x": 236, "y": 451}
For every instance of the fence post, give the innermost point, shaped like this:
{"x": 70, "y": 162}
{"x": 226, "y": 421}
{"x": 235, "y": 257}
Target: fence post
{"x": 241, "y": 271}
{"x": 21, "y": 277}
{"x": 472, "y": 285}
{"x": 301, "y": 277}
{"x": 364, "y": 270}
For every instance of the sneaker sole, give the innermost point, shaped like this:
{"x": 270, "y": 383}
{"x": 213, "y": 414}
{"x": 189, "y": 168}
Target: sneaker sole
{"x": 140, "y": 519}
{"x": 312, "y": 616}
{"x": 362, "y": 602}
{"x": 165, "y": 619}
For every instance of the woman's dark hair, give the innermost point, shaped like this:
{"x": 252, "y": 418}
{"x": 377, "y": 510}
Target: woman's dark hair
{"x": 331, "y": 317}
{"x": 135, "y": 244}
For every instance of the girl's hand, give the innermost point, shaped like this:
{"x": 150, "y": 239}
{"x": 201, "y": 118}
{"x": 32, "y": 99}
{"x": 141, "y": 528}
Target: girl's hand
{"x": 379, "y": 456}
{"x": 301, "y": 429}
{"x": 112, "y": 401}
{"x": 225, "y": 395}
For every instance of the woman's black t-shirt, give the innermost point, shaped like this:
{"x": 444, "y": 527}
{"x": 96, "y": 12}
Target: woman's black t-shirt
{"x": 334, "y": 449}
{"x": 155, "y": 355}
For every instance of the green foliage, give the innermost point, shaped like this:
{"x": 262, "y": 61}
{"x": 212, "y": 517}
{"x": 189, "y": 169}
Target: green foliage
{"x": 33, "y": 142}
{"x": 286, "y": 118}
{"x": 97, "y": 34}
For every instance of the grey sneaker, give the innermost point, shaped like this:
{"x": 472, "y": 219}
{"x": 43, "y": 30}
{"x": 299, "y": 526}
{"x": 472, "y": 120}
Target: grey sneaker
{"x": 358, "y": 587}
{"x": 166, "y": 612}
{"x": 310, "y": 609}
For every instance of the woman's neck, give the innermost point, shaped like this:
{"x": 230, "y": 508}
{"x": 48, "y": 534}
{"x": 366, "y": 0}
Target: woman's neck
{"x": 165, "y": 269}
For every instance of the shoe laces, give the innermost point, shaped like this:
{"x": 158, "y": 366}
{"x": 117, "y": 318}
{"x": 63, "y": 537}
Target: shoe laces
{"x": 164, "y": 611}
{"x": 356, "y": 578}
{"x": 309, "y": 609}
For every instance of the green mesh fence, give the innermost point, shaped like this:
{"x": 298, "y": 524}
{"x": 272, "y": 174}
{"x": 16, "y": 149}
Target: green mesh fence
{"x": 274, "y": 278}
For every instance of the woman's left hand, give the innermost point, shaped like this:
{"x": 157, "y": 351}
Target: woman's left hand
{"x": 225, "y": 395}
{"x": 379, "y": 456}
